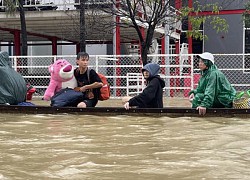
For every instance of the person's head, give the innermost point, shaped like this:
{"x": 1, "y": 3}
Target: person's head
{"x": 206, "y": 60}
{"x": 145, "y": 74}
{"x": 150, "y": 70}
{"x": 82, "y": 59}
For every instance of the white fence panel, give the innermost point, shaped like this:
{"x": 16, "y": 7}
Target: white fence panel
{"x": 180, "y": 78}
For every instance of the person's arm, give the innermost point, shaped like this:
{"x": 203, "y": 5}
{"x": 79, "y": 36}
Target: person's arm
{"x": 147, "y": 95}
{"x": 125, "y": 102}
{"x": 194, "y": 91}
{"x": 95, "y": 81}
{"x": 209, "y": 94}
{"x": 91, "y": 86}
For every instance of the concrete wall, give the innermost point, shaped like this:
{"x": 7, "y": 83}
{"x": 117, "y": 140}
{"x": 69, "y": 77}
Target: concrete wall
{"x": 228, "y": 42}
{"x": 226, "y": 4}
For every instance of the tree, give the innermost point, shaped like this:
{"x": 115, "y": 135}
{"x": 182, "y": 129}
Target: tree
{"x": 11, "y": 9}
{"x": 86, "y": 22}
{"x": 197, "y": 19}
{"x": 82, "y": 26}
{"x": 23, "y": 29}
{"x": 152, "y": 14}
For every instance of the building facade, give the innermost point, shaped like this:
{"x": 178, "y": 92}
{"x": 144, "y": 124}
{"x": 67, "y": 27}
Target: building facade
{"x": 236, "y": 40}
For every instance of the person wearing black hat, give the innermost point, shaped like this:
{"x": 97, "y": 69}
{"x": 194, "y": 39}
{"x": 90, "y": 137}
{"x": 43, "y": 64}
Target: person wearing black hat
{"x": 151, "y": 96}
{"x": 214, "y": 90}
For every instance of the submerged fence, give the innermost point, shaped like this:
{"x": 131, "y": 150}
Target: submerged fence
{"x": 180, "y": 72}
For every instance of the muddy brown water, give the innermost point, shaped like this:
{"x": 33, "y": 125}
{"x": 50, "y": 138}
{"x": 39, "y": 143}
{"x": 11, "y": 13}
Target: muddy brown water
{"x": 123, "y": 147}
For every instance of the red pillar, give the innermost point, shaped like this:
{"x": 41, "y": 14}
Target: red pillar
{"x": 178, "y": 4}
{"x": 190, "y": 42}
{"x": 54, "y": 46}
{"x": 177, "y": 47}
{"x": 163, "y": 45}
{"x": 117, "y": 37}
{"x": 17, "y": 43}
{"x": 187, "y": 81}
{"x": 118, "y": 50}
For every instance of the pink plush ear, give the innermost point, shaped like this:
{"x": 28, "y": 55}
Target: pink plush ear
{"x": 51, "y": 68}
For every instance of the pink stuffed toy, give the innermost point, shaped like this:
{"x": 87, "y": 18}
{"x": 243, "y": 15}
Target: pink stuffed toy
{"x": 62, "y": 76}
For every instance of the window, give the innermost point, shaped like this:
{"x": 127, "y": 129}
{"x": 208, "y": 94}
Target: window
{"x": 247, "y": 41}
{"x": 247, "y": 44}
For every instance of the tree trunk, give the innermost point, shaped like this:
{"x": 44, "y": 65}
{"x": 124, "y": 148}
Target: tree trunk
{"x": 146, "y": 44}
{"x": 144, "y": 53}
{"x": 82, "y": 26}
{"x": 23, "y": 29}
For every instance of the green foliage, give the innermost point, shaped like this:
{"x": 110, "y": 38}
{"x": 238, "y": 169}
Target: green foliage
{"x": 246, "y": 15}
{"x": 197, "y": 20}
{"x": 10, "y": 7}
{"x": 219, "y": 24}
{"x": 160, "y": 13}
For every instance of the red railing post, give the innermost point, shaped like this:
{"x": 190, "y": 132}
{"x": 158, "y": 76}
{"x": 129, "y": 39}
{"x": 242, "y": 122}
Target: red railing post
{"x": 117, "y": 45}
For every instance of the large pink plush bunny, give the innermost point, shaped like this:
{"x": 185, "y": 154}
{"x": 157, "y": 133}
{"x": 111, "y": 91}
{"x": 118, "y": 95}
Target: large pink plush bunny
{"x": 62, "y": 76}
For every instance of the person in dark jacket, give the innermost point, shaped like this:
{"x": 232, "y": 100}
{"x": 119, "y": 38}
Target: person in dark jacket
{"x": 152, "y": 95}
{"x": 214, "y": 90}
{"x": 88, "y": 81}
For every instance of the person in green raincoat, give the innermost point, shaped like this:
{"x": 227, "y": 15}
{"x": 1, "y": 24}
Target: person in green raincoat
{"x": 214, "y": 90}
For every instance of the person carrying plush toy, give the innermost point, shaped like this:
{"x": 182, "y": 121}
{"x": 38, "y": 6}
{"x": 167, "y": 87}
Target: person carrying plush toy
{"x": 13, "y": 88}
{"x": 88, "y": 81}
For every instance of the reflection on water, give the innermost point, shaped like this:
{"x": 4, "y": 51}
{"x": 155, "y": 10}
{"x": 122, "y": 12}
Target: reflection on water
{"x": 123, "y": 147}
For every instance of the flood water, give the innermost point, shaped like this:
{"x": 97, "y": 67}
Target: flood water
{"x": 123, "y": 147}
